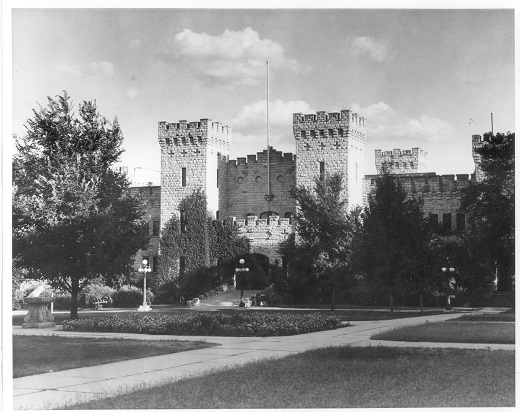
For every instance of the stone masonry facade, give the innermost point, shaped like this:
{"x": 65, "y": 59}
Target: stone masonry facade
{"x": 254, "y": 190}
{"x": 402, "y": 161}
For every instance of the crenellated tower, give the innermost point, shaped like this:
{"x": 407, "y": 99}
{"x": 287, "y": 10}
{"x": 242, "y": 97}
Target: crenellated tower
{"x": 331, "y": 143}
{"x": 402, "y": 161}
{"x": 193, "y": 156}
{"x": 476, "y": 142}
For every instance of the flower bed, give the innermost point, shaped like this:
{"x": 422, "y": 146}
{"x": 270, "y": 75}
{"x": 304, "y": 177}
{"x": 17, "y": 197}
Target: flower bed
{"x": 208, "y": 324}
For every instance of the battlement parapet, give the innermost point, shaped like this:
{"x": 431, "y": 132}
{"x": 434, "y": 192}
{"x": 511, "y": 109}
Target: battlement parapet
{"x": 402, "y": 161}
{"x": 262, "y": 232}
{"x": 184, "y": 133}
{"x": 323, "y": 124}
{"x": 424, "y": 183}
{"x": 275, "y": 156}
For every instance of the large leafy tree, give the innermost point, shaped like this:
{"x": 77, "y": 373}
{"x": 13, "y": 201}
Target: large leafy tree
{"x": 324, "y": 230}
{"x": 392, "y": 238}
{"x": 490, "y": 205}
{"x": 73, "y": 217}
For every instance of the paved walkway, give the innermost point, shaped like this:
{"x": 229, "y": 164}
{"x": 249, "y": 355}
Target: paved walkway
{"x": 53, "y": 389}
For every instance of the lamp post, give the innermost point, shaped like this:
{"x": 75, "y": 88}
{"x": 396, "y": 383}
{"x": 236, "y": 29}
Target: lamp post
{"x": 240, "y": 270}
{"x": 144, "y": 268}
{"x": 451, "y": 283}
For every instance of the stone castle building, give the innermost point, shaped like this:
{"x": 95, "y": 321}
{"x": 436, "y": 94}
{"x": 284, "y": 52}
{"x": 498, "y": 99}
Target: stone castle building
{"x": 254, "y": 190}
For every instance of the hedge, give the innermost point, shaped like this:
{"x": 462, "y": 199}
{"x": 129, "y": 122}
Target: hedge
{"x": 208, "y": 324}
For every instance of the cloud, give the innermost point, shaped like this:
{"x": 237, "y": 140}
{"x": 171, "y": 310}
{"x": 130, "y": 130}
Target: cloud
{"x": 384, "y": 123}
{"x": 135, "y": 43}
{"x": 236, "y": 57}
{"x": 93, "y": 69}
{"x": 250, "y": 126}
{"x": 131, "y": 93}
{"x": 378, "y": 50}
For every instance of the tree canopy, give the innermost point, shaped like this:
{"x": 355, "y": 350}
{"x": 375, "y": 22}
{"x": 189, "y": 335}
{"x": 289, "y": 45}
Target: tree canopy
{"x": 324, "y": 230}
{"x": 73, "y": 217}
{"x": 490, "y": 206}
{"x": 392, "y": 238}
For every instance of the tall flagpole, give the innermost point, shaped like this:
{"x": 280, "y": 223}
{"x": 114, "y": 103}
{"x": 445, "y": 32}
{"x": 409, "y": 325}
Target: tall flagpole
{"x": 268, "y": 148}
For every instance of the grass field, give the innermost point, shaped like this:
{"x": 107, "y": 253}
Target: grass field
{"x": 452, "y": 331}
{"x": 498, "y": 317}
{"x": 33, "y": 355}
{"x": 343, "y": 377}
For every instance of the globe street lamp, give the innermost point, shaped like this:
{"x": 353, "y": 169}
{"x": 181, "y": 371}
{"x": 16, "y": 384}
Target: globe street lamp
{"x": 451, "y": 284}
{"x": 240, "y": 270}
{"x": 144, "y": 268}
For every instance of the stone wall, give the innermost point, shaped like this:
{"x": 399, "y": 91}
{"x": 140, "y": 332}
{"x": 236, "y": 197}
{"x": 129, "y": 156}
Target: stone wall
{"x": 199, "y": 148}
{"x": 265, "y": 234}
{"x": 331, "y": 142}
{"x": 246, "y": 185}
{"x": 476, "y": 142}
{"x": 402, "y": 161}
{"x": 441, "y": 194}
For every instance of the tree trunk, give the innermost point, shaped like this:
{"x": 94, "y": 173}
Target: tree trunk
{"x": 421, "y": 303}
{"x": 391, "y": 302}
{"x": 333, "y": 298}
{"x": 74, "y": 282}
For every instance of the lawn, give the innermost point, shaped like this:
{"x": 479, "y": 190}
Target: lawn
{"x": 498, "y": 317}
{"x": 33, "y": 355}
{"x": 452, "y": 331}
{"x": 344, "y": 377}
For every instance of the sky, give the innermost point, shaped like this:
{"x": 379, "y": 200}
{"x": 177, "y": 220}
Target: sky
{"x": 422, "y": 78}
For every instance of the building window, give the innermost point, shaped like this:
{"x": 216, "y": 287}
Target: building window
{"x": 184, "y": 222}
{"x": 156, "y": 227}
{"x": 182, "y": 265}
{"x": 155, "y": 264}
{"x": 322, "y": 170}
{"x": 303, "y": 134}
{"x": 331, "y": 132}
{"x": 461, "y": 222}
{"x": 322, "y": 133}
{"x": 446, "y": 222}
{"x": 183, "y": 178}
{"x": 313, "y": 133}
{"x": 434, "y": 220}
{"x": 340, "y": 132}
{"x": 218, "y": 214}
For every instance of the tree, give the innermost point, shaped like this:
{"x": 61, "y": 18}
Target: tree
{"x": 73, "y": 217}
{"x": 324, "y": 229}
{"x": 206, "y": 245}
{"x": 392, "y": 237}
{"x": 490, "y": 206}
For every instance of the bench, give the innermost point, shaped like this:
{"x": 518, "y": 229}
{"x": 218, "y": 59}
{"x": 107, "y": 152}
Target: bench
{"x": 98, "y": 303}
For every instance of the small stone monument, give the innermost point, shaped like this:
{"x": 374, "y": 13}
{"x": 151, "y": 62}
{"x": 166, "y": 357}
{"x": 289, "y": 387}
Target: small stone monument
{"x": 39, "y": 315}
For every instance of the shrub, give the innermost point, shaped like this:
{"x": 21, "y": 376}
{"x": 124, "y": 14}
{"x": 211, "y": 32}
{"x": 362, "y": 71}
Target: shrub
{"x": 209, "y": 324}
{"x": 93, "y": 292}
{"x": 62, "y": 300}
{"x": 130, "y": 297}
{"x": 167, "y": 293}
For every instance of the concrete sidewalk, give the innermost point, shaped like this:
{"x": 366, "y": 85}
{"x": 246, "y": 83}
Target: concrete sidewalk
{"x": 52, "y": 390}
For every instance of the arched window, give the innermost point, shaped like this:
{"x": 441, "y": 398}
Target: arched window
{"x": 265, "y": 215}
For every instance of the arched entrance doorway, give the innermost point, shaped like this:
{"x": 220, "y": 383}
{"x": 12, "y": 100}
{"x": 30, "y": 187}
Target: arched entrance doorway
{"x": 258, "y": 275}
